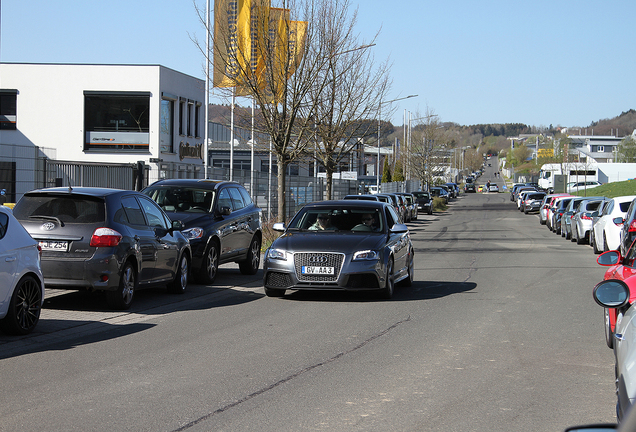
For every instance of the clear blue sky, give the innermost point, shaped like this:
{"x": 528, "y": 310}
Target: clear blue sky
{"x": 492, "y": 61}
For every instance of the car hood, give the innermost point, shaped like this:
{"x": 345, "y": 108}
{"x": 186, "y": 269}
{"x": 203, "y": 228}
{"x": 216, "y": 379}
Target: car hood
{"x": 345, "y": 242}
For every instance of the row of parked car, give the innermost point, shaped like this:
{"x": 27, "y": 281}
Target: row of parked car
{"x": 119, "y": 241}
{"x": 608, "y": 225}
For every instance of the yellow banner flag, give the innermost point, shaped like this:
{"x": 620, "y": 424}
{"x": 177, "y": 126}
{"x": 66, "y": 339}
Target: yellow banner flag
{"x": 235, "y": 25}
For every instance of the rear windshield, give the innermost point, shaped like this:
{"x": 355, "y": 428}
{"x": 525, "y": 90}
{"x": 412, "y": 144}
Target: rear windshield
{"x": 536, "y": 196}
{"x": 66, "y": 208}
{"x": 625, "y": 206}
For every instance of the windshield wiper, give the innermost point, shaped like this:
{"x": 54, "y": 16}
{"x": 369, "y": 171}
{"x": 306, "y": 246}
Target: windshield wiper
{"x": 53, "y": 218}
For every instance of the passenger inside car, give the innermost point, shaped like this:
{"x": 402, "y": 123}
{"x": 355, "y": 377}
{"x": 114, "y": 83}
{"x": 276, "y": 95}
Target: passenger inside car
{"x": 323, "y": 222}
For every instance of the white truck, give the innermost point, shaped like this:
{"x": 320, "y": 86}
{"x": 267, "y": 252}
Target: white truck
{"x": 580, "y": 171}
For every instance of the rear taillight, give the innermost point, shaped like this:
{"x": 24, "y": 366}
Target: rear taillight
{"x": 105, "y": 237}
{"x": 586, "y": 216}
{"x": 632, "y": 226}
{"x": 39, "y": 251}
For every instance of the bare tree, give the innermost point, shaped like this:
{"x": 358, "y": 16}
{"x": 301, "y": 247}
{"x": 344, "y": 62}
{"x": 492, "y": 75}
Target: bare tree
{"x": 428, "y": 155}
{"x": 281, "y": 68}
{"x": 349, "y": 90}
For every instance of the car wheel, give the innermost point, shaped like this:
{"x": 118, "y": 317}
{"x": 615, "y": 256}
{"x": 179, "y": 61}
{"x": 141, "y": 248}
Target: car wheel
{"x": 24, "y": 308}
{"x": 593, "y": 241}
{"x": 430, "y": 210}
{"x": 210, "y": 266}
{"x": 272, "y": 292}
{"x": 609, "y": 335}
{"x": 579, "y": 240}
{"x": 122, "y": 297}
{"x": 389, "y": 284}
{"x": 251, "y": 263}
{"x": 411, "y": 272}
{"x": 180, "y": 282}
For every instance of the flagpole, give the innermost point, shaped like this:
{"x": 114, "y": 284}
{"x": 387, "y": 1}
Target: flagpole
{"x": 252, "y": 154}
{"x": 206, "y": 124}
{"x": 232, "y": 136}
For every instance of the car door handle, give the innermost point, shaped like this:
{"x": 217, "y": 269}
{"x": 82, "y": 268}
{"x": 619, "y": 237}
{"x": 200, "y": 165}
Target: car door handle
{"x": 10, "y": 259}
{"x": 619, "y": 336}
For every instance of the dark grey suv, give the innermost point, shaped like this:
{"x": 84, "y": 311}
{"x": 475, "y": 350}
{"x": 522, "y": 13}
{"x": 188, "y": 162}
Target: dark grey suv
{"x": 222, "y": 223}
{"x": 104, "y": 239}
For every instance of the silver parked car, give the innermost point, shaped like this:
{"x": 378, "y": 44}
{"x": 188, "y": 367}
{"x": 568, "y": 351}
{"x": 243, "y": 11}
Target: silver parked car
{"x": 615, "y": 294}
{"x": 21, "y": 282}
{"x": 350, "y": 245}
{"x": 582, "y": 220}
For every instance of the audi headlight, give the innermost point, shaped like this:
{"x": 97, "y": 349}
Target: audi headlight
{"x": 365, "y": 255}
{"x": 193, "y": 233}
{"x": 278, "y": 254}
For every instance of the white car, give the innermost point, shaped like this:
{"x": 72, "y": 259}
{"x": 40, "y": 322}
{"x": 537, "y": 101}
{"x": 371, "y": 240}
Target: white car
{"x": 605, "y": 234}
{"x": 582, "y": 185}
{"x": 21, "y": 282}
{"x": 493, "y": 188}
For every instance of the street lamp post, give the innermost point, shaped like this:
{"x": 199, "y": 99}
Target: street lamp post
{"x": 379, "y": 121}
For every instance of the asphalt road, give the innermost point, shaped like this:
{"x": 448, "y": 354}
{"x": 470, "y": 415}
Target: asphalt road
{"x": 498, "y": 333}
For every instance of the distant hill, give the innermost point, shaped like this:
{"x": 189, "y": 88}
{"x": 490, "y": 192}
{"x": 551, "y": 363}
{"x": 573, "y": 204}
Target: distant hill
{"x": 625, "y": 123}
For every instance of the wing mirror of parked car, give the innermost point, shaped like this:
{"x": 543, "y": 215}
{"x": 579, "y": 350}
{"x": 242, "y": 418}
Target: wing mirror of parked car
{"x": 618, "y": 220}
{"x": 609, "y": 258}
{"x": 177, "y": 225}
{"x": 399, "y": 228}
{"x": 611, "y": 293}
{"x": 225, "y": 211}
{"x": 279, "y": 226}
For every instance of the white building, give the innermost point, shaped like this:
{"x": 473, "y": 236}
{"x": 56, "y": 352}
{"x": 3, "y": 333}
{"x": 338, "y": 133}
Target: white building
{"x": 104, "y": 114}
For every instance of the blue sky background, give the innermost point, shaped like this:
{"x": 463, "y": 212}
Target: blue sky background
{"x": 539, "y": 62}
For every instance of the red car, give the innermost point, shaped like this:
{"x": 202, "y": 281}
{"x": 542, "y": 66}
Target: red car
{"x": 621, "y": 268}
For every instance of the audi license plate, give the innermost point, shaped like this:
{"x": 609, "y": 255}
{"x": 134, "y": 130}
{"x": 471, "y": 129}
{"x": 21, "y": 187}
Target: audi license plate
{"x": 307, "y": 270}
{"x": 52, "y": 245}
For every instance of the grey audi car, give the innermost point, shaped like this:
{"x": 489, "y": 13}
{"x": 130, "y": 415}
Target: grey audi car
{"x": 351, "y": 245}
{"x": 102, "y": 239}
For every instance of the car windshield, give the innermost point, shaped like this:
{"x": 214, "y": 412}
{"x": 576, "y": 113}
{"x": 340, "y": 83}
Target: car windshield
{"x": 356, "y": 219}
{"x": 65, "y": 208}
{"x": 182, "y": 199}
{"x": 421, "y": 195}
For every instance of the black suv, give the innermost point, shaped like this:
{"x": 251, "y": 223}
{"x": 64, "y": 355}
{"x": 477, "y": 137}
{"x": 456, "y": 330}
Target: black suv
{"x": 103, "y": 239}
{"x": 424, "y": 201}
{"x": 222, "y": 223}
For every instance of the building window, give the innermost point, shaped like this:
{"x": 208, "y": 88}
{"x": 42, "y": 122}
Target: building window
{"x": 8, "y": 111}
{"x": 197, "y": 114}
{"x": 189, "y": 119}
{"x": 182, "y": 108}
{"x": 117, "y": 120}
{"x": 600, "y": 149}
{"x": 167, "y": 126}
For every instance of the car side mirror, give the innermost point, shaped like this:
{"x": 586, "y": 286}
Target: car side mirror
{"x": 609, "y": 258}
{"x": 279, "y": 226}
{"x": 618, "y": 220}
{"x": 611, "y": 293}
{"x": 399, "y": 228}
{"x": 225, "y": 211}
{"x": 177, "y": 225}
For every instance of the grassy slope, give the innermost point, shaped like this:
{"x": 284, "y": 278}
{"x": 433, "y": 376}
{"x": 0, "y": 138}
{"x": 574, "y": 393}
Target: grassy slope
{"x": 611, "y": 190}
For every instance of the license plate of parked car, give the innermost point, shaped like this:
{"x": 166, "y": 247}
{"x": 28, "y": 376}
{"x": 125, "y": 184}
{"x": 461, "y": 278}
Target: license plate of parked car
{"x": 306, "y": 270}
{"x": 48, "y": 245}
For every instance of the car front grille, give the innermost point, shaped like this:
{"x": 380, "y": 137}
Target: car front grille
{"x": 311, "y": 259}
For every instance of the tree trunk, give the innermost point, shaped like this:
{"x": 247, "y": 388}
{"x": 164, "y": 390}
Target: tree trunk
{"x": 282, "y": 177}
